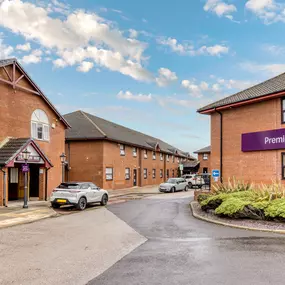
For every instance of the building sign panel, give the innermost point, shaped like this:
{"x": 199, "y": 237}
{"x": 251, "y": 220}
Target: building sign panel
{"x": 266, "y": 140}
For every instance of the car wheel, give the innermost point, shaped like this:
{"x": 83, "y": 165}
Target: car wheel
{"x": 55, "y": 206}
{"x": 186, "y": 188}
{"x": 190, "y": 185}
{"x": 104, "y": 200}
{"x": 82, "y": 203}
{"x": 172, "y": 190}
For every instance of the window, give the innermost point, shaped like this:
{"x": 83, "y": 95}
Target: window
{"x": 205, "y": 156}
{"x": 172, "y": 158}
{"x": 161, "y": 173}
{"x": 167, "y": 173}
{"x": 205, "y": 170}
{"x": 14, "y": 175}
{"x": 145, "y": 173}
{"x": 153, "y": 155}
{"x": 283, "y": 165}
{"x": 135, "y": 150}
{"x": 167, "y": 157}
{"x": 283, "y": 110}
{"x": 122, "y": 150}
{"x": 127, "y": 173}
{"x": 40, "y": 125}
{"x": 172, "y": 172}
{"x": 153, "y": 173}
{"x": 109, "y": 173}
{"x": 161, "y": 156}
{"x": 145, "y": 154}
{"x": 178, "y": 159}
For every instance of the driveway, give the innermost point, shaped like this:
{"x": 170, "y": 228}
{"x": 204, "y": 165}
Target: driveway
{"x": 183, "y": 250}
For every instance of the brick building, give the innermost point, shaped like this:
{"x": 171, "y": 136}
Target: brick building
{"x": 29, "y": 121}
{"x": 204, "y": 158}
{"x": 115, "y": 157}
{"x": 248, "y": 134}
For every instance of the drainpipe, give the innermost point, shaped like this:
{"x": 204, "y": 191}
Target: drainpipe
{"x": 4, "y": 187}
{"x": 69, "y": 160}
{"x": 46, "y": 183}
{"x": 221, "y": 144}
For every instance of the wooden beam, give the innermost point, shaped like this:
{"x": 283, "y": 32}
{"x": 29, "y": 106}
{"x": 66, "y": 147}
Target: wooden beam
{"x": 20, "y": 78}
{"x": 7, "y": 73}
{"x": 14, "y": 75}
{"x": 19, "y": 87}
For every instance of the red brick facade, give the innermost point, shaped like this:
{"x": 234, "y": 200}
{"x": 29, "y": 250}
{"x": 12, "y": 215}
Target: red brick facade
{"x": 205, "y": 162}
{"x": 88, "y": 161}
{"x": 256, "y": 166}
{"x": 16, "y": 108}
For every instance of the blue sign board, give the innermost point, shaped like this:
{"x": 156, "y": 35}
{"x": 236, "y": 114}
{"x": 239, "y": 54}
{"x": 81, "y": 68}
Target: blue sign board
{"x": 216, "y": 173}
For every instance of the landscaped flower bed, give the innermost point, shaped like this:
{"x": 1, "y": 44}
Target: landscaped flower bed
{"x": 245, "y": 201}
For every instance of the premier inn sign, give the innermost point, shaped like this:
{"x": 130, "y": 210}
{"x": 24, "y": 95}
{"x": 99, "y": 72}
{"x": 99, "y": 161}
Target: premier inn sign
{"x": 267, "y": 140}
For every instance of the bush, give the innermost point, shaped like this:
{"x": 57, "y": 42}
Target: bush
{"x": 231, "y": 206}
{"x": 275, "y": 209}
{"x": 202, "y": 197}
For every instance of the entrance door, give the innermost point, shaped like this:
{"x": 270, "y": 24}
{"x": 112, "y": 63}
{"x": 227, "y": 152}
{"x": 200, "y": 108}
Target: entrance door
{"x": 135, "y": 177}
{"x": 34, "y": 180}
{"x": 205, "y": 170}
{"x": 13, "y": 177}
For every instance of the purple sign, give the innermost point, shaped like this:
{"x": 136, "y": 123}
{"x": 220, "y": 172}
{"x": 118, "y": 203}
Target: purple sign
{"x": 267, "y": 140}
{"x": 25, "y": 168}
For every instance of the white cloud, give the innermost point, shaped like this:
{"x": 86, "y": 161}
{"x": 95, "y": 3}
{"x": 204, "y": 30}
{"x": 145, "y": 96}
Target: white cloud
{"x": 133, "y": 33}
{"x": 220, "y": 8}
{"x": 269, "y": 11}
{"x": 134, "y": 97}
{"x": 185, "y": 48}
{"x": 274, "y": 49}
{"x": 87, "y": 33}
{"x": 5, "y": 50}
{"x": 192, "y": 88}
{"x": 267, "y": 69}
{"x": 85, "y": 66}
{"x": 24, "y": 47}
{"x": 34, "y": 57}
{"x": 165, "y": 77}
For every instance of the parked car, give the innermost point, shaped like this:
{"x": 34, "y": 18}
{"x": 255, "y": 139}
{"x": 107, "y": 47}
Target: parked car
{"x": 194, "y": 180}
{"x": 173, "y": 185}
{"x": 79, "y": 194}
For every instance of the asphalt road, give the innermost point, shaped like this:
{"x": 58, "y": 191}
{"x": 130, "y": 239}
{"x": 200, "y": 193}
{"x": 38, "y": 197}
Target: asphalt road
{"x": 182, "y": 250}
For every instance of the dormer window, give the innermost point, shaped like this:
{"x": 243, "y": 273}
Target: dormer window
{"x": 153, "y": 155}
{"x": 135, "y": 150}
{"x": 122, "y": 150}
{"x": 40, "y": 126}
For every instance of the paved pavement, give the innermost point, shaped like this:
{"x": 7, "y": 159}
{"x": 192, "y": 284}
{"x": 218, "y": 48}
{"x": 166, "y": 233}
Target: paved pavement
{"x": 182, "y": 250}
{"x": 70, "y": 249}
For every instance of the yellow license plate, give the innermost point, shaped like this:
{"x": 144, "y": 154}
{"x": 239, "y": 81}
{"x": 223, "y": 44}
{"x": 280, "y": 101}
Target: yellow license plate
{"x": 61, "y": 201}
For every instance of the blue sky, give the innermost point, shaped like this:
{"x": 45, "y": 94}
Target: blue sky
{"x": 147, "y": 65}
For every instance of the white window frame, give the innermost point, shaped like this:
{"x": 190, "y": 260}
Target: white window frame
{"x": 145, "y": 154}
{"x": 154, "y": 155}
{"x": 122, "y": 150}
{"x": 205, "y": 156}
{"x": 39, "y": 121}
{"x": 173, "y": 158}
{"x": 161, "y": 156}
{"x": 161, "y": 173}
{"x": 135, "y": 152}
{"x": 127, "y": 173}
{"x": 145, "y": 173}
{"x": 153, "y": 173}
{"x": 109, "y": 173}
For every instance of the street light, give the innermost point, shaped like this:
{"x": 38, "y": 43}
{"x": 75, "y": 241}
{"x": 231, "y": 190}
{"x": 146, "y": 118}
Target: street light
{"x": 25, "y": 169}
{"x": 63, "y": 159}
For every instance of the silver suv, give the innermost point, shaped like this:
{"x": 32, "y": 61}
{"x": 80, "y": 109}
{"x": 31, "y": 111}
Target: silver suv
{"x": 194, "y": 180}
{"x": 79, "y": 194}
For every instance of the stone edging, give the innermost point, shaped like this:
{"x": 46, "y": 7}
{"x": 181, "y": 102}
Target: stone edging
{"x": 197, "y": 216}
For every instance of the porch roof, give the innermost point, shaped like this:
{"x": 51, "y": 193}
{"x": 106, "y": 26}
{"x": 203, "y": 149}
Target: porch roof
{"x": 11, "y": 147}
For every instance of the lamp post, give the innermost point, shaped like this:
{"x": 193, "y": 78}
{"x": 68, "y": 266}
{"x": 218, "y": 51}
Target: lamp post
{"x": 25, "y": 169}
{"x": 63, "y": 159}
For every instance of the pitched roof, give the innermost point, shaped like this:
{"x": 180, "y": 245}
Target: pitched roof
{"x": 191, "y": 164}
{"x": 9, "y": 61}
{"x": 206, "y": 149}
{"x": 270, "y": 86}
{"x": 10, "y": 147}
{"x": 87, "y": 126}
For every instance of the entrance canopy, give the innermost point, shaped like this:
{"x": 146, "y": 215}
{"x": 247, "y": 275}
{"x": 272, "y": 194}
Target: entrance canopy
{"x": 11, "y": 152}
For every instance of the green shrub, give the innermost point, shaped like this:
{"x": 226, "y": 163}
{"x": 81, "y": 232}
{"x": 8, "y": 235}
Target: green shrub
{"x": 275, "y": 209}
{"x": 231, "y": 206}
{"x": 232, "y": 186}
{"x": 213, "y": 198}
{"x": 261, "y": 205}
{"x": 202, "y": 197}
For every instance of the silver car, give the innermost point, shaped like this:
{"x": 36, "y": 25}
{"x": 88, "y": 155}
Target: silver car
{"x": 79, "y": 194}
{"x": 173, "y": 185}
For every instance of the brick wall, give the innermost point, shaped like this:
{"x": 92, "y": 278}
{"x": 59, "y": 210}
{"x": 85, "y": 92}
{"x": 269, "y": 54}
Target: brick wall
{"x": 257, "y": 166}
{"x": 16, "y": 108}
{"x": 204, "y": 163}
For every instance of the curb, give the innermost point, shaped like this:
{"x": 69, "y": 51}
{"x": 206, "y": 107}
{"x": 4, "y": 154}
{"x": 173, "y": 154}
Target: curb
{"x": 197, "y": 216}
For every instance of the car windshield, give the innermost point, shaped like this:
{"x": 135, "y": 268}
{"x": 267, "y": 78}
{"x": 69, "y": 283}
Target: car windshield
{"x": 171, "y": 181}
{"x": 68, "y": 186}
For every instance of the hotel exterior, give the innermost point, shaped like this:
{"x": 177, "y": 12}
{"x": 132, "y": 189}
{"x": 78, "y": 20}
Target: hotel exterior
{"x": 28, "y": 121}
{"x": 248, "y": 133}
{"x": 116, "y": 157}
